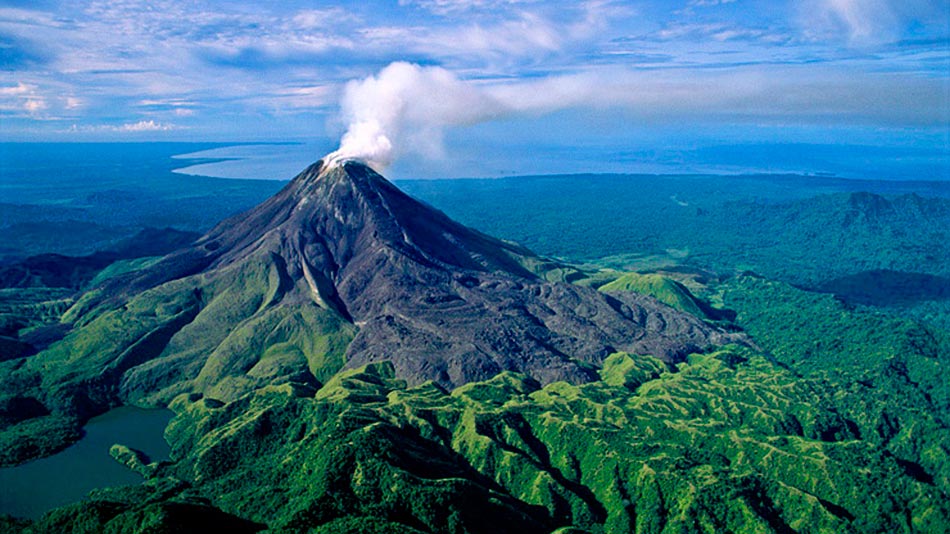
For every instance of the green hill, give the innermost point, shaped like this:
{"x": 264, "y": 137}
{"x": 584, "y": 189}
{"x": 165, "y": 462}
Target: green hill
{"x": 666, "y": 290}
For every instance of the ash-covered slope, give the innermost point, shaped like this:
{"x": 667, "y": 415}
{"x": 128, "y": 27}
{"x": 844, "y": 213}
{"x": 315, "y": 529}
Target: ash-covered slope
{"x": 340, "y": 268}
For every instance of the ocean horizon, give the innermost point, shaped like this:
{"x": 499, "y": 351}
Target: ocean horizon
{"x": 282, "y": 160}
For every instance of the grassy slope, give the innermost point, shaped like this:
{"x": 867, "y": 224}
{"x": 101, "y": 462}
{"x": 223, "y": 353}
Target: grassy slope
{"x": 223, "y": 337}
{"x": 667, "y": 291}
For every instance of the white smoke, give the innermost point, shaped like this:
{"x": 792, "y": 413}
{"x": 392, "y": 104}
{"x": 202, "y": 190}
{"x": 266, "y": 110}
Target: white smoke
{"x": 406, "y": 109}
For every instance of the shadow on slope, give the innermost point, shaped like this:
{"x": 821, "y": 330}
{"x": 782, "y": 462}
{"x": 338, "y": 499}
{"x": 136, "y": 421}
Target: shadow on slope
{"x": 884, "y": 287}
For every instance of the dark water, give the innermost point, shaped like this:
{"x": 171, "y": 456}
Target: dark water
{"x": 34, "y": 488}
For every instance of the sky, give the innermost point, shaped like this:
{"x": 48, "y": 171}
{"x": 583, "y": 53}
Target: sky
{"x": 456, "y": 87}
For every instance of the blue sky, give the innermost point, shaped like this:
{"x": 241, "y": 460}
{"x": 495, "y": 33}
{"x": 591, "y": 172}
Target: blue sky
{"x": 632, "y": 75}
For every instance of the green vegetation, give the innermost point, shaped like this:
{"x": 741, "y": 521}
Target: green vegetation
{"x": 157, "y": 506}
{"x": 121, "y": 267}
{"x": 219, "y": 324}
{"x": 24, "y": 310}
{"x": 887, "y": 376}
{"x": 134, "y": 459}
{"x": 78, "y": 198}
{"x": 223, "y": 337}
{"x": 666, "y": 290}
{"x": 729, "y": 441}
{"x": 802, "y": 230}
{"x": 837, "y": 425}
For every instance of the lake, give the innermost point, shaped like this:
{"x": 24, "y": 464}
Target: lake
{"x": 31, "y": 489}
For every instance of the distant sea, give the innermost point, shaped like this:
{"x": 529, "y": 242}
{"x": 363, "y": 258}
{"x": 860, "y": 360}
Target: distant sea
{"x": 281, "y": 161}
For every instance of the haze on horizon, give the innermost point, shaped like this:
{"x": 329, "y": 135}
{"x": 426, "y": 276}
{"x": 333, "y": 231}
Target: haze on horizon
{"x": 628, "y": 76}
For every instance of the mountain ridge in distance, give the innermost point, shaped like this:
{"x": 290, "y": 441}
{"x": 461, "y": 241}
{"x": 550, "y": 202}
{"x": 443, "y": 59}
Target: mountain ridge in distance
{"x": 340, "y": 269}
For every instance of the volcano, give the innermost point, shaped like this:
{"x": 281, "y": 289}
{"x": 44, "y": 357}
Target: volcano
{"x": 340, "y": 269}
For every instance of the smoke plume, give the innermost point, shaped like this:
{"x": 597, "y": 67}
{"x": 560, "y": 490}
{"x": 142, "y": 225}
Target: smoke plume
{"x": 406, "y": 109}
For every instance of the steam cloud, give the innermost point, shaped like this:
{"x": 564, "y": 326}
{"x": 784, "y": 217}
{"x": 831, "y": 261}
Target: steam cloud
{"x": 407, "y": 108}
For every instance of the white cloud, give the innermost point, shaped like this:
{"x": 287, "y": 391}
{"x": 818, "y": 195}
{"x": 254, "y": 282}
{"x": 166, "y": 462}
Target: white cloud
{"x": 451, "y": 7}
{"x": 23, "y": 99}
{"x": 127, "y": 128}
{"x": 29, "y": 18}
{"x": 717, "y": 32}
{"x": 526, "y": 34}
{"x": 503, "y": 39}
{"x": 35, "y": 105}
{"x": 320, "y": 19}
{"x": 296, "y": 99}
{"x": 708, "y": 3}
{"x": 166, "y": 102}
{"x": 868, "y": 22}
{"x": 144, "y": 126}
{"x": 16, "y": 90}
{"x": 311, "y": 96}
{"x": 862, "y": 18}
{"x": 763, "y": 94}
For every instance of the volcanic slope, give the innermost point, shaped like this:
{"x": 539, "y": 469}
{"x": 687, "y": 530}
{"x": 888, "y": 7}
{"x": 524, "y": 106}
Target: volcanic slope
{"x": 339, "y": 269}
